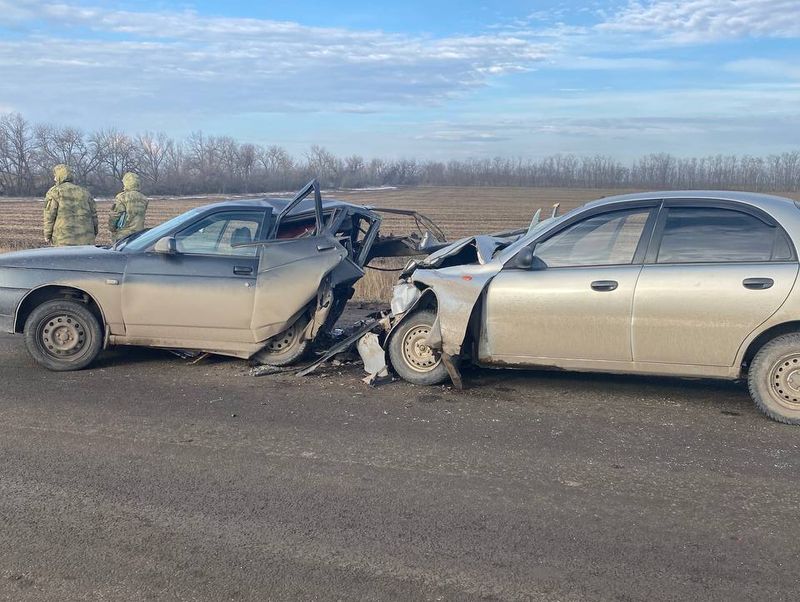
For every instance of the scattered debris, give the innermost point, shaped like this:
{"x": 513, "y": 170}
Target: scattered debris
{"x": 341, "y": 346}
{"x": 199, "y": 358}
{"x": 268, "y": 370}
{"x": 374, "y": 358}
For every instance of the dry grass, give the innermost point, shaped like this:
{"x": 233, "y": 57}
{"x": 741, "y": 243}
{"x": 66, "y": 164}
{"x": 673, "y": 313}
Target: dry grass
{"x": 459, "y": 211}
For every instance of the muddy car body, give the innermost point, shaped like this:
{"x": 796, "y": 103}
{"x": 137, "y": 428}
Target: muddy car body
{"x": 244, "y": 278}
{"x": 690, "y": 284}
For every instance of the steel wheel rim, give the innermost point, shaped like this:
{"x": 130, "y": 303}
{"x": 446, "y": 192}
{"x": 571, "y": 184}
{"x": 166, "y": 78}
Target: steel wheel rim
{"x": 784, "y": 381}
{"x": 417, "y": 354}
{"x": 63, "y": 336}
{"x": 284, "y": 341}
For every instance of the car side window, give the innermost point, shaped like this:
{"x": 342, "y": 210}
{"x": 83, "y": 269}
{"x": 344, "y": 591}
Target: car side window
{"x": 715, "y": 235}
{"x": 606, "y": 239}
{"x": 221, "y": 234}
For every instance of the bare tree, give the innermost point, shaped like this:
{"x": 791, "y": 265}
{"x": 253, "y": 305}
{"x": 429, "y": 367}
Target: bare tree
{"x": 153, "y": 150}
{"x": 202, "y": 164}
{"x": 115, "y": 150}
{"x": 18, "y": 150}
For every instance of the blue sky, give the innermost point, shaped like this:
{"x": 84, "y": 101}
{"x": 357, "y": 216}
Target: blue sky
{"x": 436, "y": 79}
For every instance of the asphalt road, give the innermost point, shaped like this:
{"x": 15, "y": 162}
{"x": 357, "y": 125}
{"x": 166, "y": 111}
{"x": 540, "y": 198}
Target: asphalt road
{"x": 147, "y": 478}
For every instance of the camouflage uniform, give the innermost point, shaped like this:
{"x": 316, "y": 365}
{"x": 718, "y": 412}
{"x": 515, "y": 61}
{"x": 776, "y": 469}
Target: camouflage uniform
{"x": 70, "y": 214}
{"x": 130, "y": 206}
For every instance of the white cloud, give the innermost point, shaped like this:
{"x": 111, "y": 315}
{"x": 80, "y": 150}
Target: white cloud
{"x": 764, "y": 69}
{"x": 701, "y": 21}
{"x": 462, "y": 135}
{"x": 183, "y": 61}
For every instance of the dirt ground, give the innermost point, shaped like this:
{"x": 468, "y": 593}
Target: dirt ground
{"x": 149, "y": 478}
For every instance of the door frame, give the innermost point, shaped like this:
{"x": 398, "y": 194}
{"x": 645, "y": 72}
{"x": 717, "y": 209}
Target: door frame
{"x": 641, "y": 248}
{"x": 651, "y": 255}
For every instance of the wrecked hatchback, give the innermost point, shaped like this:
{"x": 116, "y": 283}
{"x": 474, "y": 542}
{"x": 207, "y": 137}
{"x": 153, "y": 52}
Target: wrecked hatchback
{"x": 692, "y": 284}
{"x": 257, "y": 279}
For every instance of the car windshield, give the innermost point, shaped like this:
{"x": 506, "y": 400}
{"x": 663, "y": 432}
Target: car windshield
{"x": 150, "y": 237}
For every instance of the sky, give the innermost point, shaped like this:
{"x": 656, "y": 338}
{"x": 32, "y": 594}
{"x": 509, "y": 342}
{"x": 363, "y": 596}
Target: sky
{"x": 435, "y": 79}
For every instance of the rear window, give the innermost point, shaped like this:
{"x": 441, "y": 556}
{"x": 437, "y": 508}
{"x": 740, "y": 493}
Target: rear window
{"x": 704, "y": 234}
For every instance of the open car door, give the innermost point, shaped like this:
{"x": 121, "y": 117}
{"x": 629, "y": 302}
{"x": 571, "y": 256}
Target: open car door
{"x": 292, "y": 271}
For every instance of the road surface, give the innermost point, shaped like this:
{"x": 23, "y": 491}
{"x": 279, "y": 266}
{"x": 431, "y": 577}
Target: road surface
{"x": 147, "y": 478}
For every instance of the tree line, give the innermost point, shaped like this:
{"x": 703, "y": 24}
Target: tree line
{"x": 220, "y": 164}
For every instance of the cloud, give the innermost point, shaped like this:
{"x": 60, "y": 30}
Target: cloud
{"x": 703, "y": 21}
{"x": 764, "y": 68}
{"x": 460, "y": 135}
{"x": 183, "y": 61}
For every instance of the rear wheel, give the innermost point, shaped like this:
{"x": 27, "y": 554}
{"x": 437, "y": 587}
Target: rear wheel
{"x": 411, "y": 356}
{"x": 286, "y": 348}
{"x": 63, "y": 335}
{"x": 774, "y": 379}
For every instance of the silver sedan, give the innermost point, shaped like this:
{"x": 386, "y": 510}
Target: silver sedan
{"x": 691, "y": 284}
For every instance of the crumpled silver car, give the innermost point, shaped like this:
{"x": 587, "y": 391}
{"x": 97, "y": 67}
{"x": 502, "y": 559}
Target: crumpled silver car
{"x": 693, "y": 284}
{"x": 256, "y": 279}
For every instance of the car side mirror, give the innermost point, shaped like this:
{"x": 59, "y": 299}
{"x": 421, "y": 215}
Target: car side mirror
{"x": 166, "y": 246}
{"x": 526, "y": 260}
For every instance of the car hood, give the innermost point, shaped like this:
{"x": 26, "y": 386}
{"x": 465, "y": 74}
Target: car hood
{"x": 79, "y": 259}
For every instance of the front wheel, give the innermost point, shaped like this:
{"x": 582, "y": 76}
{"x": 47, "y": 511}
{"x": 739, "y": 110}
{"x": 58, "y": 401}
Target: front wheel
{"x": 774, "y": 379}
{"x": 287, "y": 347}
{"x": 63, "y": 335}
{"x": 411, "y": 356}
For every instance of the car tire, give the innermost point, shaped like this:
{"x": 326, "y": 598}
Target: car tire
{"x": 63, "y": 335}
{"x": 286, "y": 348}
{"x": 410, "y": 357}
{"x": 774, "y": 379}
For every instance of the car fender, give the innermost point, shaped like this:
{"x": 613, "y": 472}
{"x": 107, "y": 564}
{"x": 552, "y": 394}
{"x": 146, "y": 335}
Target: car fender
{"x": 456, "y": 290}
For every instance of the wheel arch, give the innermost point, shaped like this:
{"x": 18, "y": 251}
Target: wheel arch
{"x": 50, "y": 292}
{"x": 762, "y": 339}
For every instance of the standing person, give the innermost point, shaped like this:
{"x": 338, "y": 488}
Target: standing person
{"x": 70, "y": 214}
{"x": 130, "y": 207}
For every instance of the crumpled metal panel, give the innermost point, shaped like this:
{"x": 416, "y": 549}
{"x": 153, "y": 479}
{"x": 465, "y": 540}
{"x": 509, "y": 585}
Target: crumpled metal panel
{"x": 457, "y": 290}
{"x": 485, "y": 247}
{"x": 404, "y": 296}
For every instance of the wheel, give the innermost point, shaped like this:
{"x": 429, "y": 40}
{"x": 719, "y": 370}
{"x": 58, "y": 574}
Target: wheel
{"x": 411, "y": 357}
{"x": 774, "y": 379}
{"x": 63, "y": 335}
{"x": 287, "y": 347}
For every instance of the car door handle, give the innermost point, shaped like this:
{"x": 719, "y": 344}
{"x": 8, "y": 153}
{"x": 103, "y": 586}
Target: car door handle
{"x": 758, "y": 284}
{"x": 325, "y": 247}
{"x": 242, "y": 270}
{"x": 605, "y": 285}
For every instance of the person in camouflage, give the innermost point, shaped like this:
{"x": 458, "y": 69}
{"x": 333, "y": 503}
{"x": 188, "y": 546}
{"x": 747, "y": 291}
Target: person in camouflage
{"x": 70, "y": 214}
{"x": 128, "y": 212}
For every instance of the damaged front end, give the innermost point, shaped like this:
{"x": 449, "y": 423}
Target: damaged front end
{"x": 435, "y": 309}
{"x": 448, "y": 284}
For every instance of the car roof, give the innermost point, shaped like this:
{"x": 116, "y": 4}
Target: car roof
{"x": 774, "y": 205}
{"x": 763, "y": 201}
{"x": 278, "y": 205}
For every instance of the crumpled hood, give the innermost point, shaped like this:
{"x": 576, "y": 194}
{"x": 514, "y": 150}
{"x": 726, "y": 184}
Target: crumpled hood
{"x": 484, "y": 245}
{"x": 131, "y": 181}
{"x": 62, "y": 173}
{"x": 72, "y": 259}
